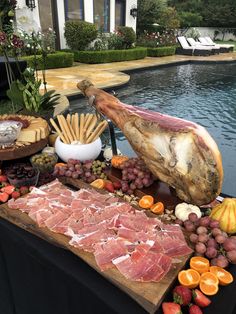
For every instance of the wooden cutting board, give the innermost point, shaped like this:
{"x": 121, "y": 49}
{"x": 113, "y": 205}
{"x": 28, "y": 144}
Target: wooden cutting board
{"x": 148, "y": 295}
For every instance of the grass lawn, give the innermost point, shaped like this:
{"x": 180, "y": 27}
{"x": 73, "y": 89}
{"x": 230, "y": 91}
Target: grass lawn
{"x": 227, "y": 42}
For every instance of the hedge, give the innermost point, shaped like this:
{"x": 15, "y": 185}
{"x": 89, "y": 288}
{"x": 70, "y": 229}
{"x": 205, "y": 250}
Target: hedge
{"x": 161, "y": 51}
{"x": 59, "y": 59}
{"x": 106, "y": 56}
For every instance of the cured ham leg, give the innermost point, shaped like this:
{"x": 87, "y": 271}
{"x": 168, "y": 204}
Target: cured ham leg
{"x": 178, "y": 152}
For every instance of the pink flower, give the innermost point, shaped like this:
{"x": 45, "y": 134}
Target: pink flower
{"x": 3, "y": 38}
{"x": 17, "y": 42}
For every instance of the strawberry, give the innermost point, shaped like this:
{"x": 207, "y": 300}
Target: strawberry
{"x": 195, "y": 309}
{"x": 15, "y": 194}
{"x": 4, "y": 197}
{"x": 171, "y": 308}
{"x": 182, "y": 295}
{"x": 109, "y": 186}
{"x": 5, "y": 184}
{"x": 117, "y": 185}
{"x": 200, "y": 299}
{"x": 8, "y": 189}
{"x": 24, "y": 190}
{"x": 3, "y": 178}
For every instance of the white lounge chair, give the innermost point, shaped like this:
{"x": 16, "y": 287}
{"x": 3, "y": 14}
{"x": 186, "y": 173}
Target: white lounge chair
{"x": 210, "y": 43}
{"x": 199, "y": 45}
{"x": 186, "y": 49}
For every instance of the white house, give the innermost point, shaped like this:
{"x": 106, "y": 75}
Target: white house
{"x": 44, "y": 14}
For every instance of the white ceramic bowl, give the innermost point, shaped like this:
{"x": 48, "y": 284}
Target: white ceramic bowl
{"x": 80, "y": 152}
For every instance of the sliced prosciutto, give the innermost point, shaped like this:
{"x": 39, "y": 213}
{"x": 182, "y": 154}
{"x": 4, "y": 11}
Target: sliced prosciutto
{"x": 143, "y": 264}
{"x": 106, "y": 252}
{"x": 118, "y": 235}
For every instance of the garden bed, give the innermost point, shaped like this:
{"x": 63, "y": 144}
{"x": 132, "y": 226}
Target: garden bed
{"x": 105, "y": 56}
{"x": 59, "y": 59}
{"x": 161, "y": 51}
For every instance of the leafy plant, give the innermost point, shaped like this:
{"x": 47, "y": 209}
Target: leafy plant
{"x": 127, "y": 35}
{"x": 100, "y": 43}
{"x": 115, "y": 42}
{"x": 28, "y": 94}
{"x": 149, "y": 11}
{"x": 79, "y": 34}
{"x": 25, "y": 91}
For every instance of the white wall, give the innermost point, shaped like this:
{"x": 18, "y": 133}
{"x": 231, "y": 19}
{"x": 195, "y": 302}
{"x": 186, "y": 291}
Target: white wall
{"x": 27, "y": 19}
{"x": 88, "y": 11}
{"x": 61, "y": 22}
{"x": 129, "y": 20}
{"x": 112, "y": 16}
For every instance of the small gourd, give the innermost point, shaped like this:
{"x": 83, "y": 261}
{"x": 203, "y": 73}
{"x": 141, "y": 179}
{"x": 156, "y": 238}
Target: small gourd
{"x": 117, "y": 160}
{"x": 225, "y": 213}
{"x": 183, "y": 210}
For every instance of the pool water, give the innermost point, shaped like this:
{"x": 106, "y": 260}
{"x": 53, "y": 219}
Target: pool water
{"x": 205, "y": 94}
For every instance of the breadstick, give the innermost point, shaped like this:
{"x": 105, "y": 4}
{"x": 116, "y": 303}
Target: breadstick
{"x": 91, "y": 126}
{"x": 72, "y": 131}
{"x": 81, "y": 128}
{"x": 69, "y": 123}
{"x": 86, "y": 117}
{"x": 63, "y": 129}
{"x": 90, "y": 117}
{"x": 73, "y": 122}
{"x": 76, "y": 124}
{"x": 53, "y": 123}
{"x": 68, "y": 118}
{"x": 65, "y": 125}
{"x": 98, "y": 131}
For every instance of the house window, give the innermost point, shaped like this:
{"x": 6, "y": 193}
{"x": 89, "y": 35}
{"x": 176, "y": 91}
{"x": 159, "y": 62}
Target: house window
{"x": 74, "y": 9}
{"x": 120, "y": 13}
{"x": 102, "y": 14}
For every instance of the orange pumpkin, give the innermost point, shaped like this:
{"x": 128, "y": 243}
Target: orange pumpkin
{"x": 117, "y": 160}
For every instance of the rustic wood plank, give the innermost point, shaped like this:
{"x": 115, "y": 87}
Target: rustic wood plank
{"x": 148, "y": 295}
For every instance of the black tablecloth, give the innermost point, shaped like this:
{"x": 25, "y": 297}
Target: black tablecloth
{"x": 39, "y": 278}
{"x": 3, "y": 74}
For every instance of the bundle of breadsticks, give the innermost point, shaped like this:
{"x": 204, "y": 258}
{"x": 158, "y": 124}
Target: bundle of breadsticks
{"x": 75, "y": 128}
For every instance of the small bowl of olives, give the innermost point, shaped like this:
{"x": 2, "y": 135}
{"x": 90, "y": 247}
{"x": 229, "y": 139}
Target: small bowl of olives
{"x": 22, "y": 175}
{"x": 44, "y": 162}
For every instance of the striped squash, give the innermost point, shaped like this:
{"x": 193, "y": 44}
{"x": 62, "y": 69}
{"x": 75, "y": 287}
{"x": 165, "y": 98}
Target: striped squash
{"x": 225, "y": 213}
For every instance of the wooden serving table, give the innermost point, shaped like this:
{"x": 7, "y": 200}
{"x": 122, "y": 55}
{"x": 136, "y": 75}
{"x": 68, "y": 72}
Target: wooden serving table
{"x": 148, "y": 295}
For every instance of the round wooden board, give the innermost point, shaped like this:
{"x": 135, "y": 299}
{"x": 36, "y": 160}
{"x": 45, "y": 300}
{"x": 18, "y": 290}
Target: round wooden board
{"x": 23, "y": 151}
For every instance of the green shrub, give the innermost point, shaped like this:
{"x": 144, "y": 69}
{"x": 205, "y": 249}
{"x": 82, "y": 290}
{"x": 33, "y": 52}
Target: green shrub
{"x": 127, "y": 35}
{"x": 55, "y": 60}
{"x": 144, "y": 41}
{"x": 79, "y": 34}
{"x": 161, "y": 51}
{"x": 110, "y": 55}
{"x": 115, "y": 42}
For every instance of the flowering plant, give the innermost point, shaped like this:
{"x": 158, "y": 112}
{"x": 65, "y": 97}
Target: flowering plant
{"x": 25, "y": 90}
{"x": 157, "y": 39}
{"x": 38, "y": 42}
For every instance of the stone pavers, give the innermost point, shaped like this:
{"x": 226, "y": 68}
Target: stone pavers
{"x": 107, "y": 75}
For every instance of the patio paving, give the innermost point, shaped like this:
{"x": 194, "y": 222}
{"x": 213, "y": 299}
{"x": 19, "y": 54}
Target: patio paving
{"x": 109, "y": 75}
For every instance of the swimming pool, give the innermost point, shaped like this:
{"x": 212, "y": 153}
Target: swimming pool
{"x": 203, "y": 93}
